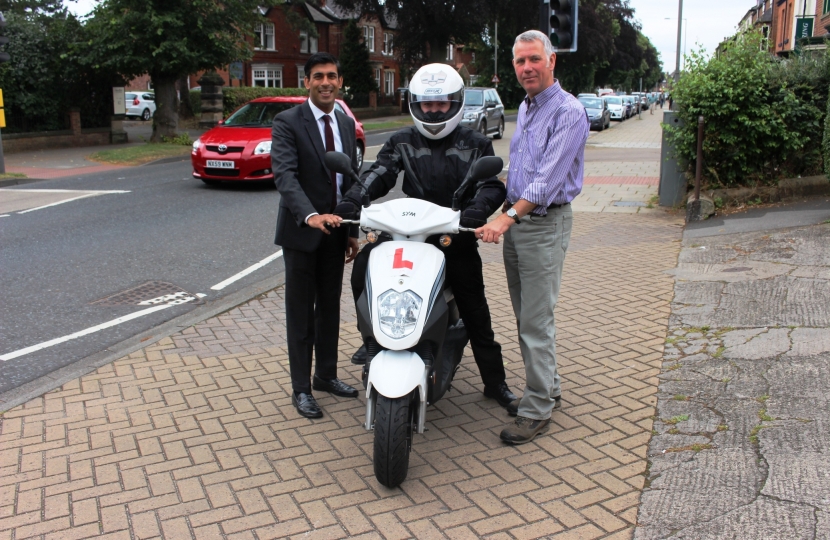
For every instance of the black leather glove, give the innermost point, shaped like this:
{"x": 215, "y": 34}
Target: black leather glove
{"x": 347, "y": 209}
{"x": 473, "y": 217}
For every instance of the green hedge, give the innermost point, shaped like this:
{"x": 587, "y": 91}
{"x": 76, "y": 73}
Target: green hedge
{"x": 764, "y": 116}
{"x": 234, "y": 97}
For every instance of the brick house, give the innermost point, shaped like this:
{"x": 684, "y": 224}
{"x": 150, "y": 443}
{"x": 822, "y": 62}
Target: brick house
{"x": 280, "y": 52}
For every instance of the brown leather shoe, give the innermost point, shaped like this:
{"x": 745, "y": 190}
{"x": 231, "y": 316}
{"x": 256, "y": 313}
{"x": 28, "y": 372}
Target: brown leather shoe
{"x": 524, "y": 430}
{"x": 513, "y": 406}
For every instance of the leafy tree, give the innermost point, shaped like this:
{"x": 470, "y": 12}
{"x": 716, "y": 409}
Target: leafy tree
{"x": 169, "y": 39}
{"x": 426, "y": 27}
{"x": 354, "y": 62}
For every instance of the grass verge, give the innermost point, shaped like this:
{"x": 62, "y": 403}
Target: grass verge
{"x": 394, "y": 124}
{"x": 8, "y": 175}
{"x": 138, "y": 155}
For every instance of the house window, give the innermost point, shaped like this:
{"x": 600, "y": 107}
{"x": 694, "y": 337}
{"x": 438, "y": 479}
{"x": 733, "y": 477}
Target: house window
{"x": 369, "y": 37}
{"x": 300, "y": 77}
{"x": 389, "y": 83}
{"x": 387, "y": 43}
{"x": 267, "y": 76}
{"x": 450, "y": 51}
{"x": 264, "y": 36}
{"x": 377, "y": 78}
{"x": 826, "y": 6}
{"x": 308, "y": 44}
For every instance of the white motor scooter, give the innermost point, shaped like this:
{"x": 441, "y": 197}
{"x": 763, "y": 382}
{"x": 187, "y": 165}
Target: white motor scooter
{"x": 407, "y": 317}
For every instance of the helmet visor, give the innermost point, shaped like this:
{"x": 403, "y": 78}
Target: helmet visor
{"x": 421, "y": 109}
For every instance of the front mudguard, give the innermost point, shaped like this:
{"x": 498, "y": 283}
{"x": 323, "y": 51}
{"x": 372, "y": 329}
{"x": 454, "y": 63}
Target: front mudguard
{"x": 395, "y": 374}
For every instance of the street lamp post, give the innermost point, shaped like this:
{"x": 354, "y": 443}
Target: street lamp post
{"x": 685, "y": 37}
{"x": 679, "y": 33}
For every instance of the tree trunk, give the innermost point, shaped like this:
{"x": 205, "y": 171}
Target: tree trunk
{"x": 166, "y": 118}
{"x": 185, "y": 107}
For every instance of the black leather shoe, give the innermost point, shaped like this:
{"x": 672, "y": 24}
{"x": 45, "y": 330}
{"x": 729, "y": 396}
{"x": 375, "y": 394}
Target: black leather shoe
{"x": 334, "y": 386}
{"x": 513, "y": 407}
{"x": 500, "y": 393}
{"x": 360, "y": 356}
{"x": 306, "y": 405}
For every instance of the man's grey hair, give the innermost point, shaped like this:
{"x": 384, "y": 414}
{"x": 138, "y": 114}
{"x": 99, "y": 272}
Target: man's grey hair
{"x": 534, "y": 35}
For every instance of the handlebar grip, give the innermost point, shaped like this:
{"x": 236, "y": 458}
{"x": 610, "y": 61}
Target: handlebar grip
{"x": 351, "y": 222}
{"x": 466, "y": 229}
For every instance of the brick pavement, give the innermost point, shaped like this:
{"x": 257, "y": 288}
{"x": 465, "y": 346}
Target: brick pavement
{"x": 195, "y": 436}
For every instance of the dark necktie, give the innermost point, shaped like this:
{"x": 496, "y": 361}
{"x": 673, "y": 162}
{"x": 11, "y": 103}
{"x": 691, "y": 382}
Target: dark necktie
{"x": 330, "y": 148}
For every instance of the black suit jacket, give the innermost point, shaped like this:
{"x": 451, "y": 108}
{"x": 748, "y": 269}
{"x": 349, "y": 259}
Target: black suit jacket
{"x": 301, "y": 176}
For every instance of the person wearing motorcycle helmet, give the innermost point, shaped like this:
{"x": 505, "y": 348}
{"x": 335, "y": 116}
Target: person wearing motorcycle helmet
{"x": 436, "y": 154}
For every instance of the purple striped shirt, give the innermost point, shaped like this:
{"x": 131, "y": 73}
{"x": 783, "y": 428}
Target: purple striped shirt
{"x": 547, "y": 151}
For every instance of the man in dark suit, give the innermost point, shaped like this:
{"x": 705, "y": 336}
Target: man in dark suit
{"x": 314, "y": 245}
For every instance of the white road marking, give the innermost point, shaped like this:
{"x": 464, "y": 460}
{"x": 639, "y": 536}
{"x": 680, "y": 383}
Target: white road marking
{"x": 5, "y": 215}
{"x": 57, "y": 203}
{"x": 96, "y": 192}
{"x": 376, "y": 146}
{"x": 250, "y": 269}
{"x": 20, "y": 352}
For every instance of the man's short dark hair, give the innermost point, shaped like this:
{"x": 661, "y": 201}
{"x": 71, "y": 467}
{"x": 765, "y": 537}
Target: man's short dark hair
{"x": 320, "y": 58}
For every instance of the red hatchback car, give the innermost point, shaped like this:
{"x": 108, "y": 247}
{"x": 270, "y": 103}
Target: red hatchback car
{"x": 239, "y": 148}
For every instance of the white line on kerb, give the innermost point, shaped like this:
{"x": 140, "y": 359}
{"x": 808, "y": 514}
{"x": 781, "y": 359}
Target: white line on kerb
{"x": 57, "y": 203}
{"x": 250, "y": 269}
{"x": 20, "y": 352}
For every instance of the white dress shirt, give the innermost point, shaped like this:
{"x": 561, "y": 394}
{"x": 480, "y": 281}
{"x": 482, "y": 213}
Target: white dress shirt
{"x": 338, "y": 144}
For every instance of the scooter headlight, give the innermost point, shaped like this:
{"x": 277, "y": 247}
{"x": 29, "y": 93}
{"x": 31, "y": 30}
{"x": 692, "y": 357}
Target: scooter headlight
{"x": 398, "y": 312}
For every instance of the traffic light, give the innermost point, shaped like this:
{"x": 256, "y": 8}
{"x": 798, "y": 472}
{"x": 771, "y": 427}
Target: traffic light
{"x": 564, "y": 17}
{"x": 4, "y": 56}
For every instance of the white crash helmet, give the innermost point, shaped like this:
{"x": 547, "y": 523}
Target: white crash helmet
{"x": 436, "y": 82}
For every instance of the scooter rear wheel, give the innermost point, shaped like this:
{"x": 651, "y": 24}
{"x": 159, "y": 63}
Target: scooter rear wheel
{"x": 395, "y": 423}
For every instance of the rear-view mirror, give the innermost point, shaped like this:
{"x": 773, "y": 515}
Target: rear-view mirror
{"x": 486, "y": 167}
{"x": 338, "y": 162}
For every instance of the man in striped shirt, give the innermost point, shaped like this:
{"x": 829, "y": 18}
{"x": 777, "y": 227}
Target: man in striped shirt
{"x": 545, "y": 174}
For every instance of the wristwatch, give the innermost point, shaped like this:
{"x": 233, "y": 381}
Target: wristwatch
{"x": 512, "y": 214}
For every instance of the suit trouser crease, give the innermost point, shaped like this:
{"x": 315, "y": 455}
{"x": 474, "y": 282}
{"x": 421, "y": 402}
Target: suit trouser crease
{"x": 534, "y": 254}
{"x": 464, "y": 275}
{"x": 313, "y": 284}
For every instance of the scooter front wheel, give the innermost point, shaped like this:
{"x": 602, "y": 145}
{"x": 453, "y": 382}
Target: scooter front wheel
{"x": 395, "y": 422}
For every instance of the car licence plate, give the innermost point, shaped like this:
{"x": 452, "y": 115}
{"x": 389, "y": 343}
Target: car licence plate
{"x": 215, "y": 164}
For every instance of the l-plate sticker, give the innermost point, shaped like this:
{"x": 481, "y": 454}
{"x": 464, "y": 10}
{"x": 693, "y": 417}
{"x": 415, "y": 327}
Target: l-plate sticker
{"x": 398, "y": 261}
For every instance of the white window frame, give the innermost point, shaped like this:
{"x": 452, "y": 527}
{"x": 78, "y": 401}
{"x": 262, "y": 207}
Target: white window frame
{"x": 450, "y": 52}
{"x": 389, "y": 82}
{"x": 264, "y": 37}
{"x": 308, "y": 44}
{"x": 300, "y": 76}
{"x": 388, "y": 47}
{"x": 369, "y": 37}
{"x": 378, "y": 80}
{"x": 270, "y": 74}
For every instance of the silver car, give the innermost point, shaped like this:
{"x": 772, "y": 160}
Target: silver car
{"x": 140, "y": 104}
{"x": 483, "y": 111}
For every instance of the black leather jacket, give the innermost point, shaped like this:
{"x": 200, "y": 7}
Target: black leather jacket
{"x": 433, "y": 170}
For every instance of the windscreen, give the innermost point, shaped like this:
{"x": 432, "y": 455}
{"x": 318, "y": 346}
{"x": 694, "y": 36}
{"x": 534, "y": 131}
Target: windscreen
{"x": 473, "y": 98}
{"x": 257, "y": 114}
{"x": 613, "y": 101}
{"x": 589, "y": 103}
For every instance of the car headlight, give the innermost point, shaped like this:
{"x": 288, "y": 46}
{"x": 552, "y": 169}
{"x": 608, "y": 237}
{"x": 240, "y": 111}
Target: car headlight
{"x": 470, "y": 116}
{"x": 196, "y": 145}
{"x": 398, "y": 313}
{"x": 263, "y": 148}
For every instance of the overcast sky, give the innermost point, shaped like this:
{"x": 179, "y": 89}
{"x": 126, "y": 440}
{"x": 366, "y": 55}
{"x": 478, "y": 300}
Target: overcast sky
{"x": 708, "y": 22}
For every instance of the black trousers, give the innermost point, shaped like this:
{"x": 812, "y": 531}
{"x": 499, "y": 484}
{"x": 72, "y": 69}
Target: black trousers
{"x": 465, "y": 276}
{"x": 313, "y": 283}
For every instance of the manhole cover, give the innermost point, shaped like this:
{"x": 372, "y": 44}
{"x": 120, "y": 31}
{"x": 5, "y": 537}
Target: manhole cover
{"x": 149, "y": 294}
{"x": 737, "y": 269}
{"x": 629, "y": 203}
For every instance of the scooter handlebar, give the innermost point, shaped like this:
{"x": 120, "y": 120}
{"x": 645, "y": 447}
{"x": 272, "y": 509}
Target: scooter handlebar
{"x": 351, "y": 222}
{"x": 466, "y": 229}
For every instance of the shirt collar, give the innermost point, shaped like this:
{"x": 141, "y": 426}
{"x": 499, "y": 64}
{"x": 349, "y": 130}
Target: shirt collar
{"x": 318, "y": 113}
{"x": 542, "y": 97}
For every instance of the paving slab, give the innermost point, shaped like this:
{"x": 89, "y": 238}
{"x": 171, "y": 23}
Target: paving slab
{"x": 742, "y": 441}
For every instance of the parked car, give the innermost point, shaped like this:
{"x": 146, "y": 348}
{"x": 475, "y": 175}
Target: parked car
{"x": 616, "y": 107}
{"x": 239, "y": 148}
{"x": 483, "y": 111}
{"x": 140, "y": 104}
{"x": 597, "y": 111}
{"x": 635, "y": 104}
